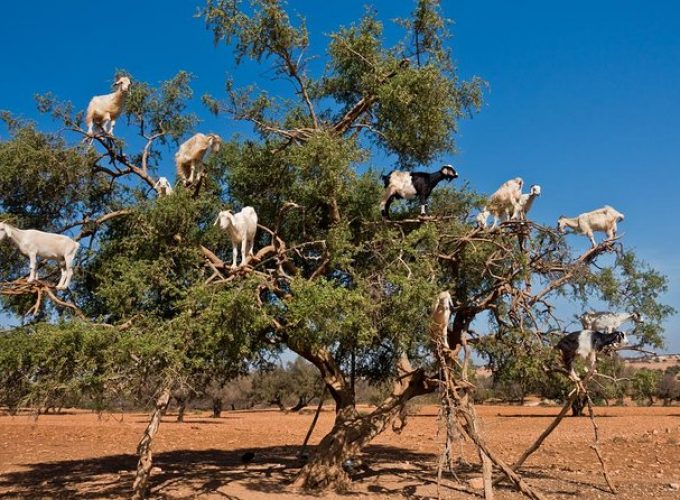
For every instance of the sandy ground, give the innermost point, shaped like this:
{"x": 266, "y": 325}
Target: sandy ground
{"x": 81, "y": 455}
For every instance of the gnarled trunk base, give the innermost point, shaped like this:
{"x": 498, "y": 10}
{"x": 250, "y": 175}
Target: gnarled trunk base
{"x": 217, "y": 407}
{"x": 351, "y": 433}
{"x": 346, "y": 440}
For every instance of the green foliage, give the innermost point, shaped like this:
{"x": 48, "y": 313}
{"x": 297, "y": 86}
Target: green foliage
{"x": 644, "y": 385}
{"x": 148, "y": 259}
{"x": 162, "y": 111}
{"x": 355, "y": 60}
{"x": 296, "y": 384}
{"x": 267, "y": 30}
{"x": 518, "y": 369}
{"x": 429, "y": 31}
{"x": 668, "y": 386}
{"x": 336, "y": 284}
{"x": 632, "y": 285}
{"x": 417, "y": 115}
{"x": 74, "y": 359}
{"x": 322, "y": 313}
{"x": 39, "y": 166}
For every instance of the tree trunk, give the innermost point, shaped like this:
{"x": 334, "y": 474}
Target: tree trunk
{"x": 140, "y": 488}
{"x": 181, "y": 409}
{"x": 351, "y": 432}
{"x": 302, "y": 403}
{"x": 347, "y": 438}
{"x": 277, "y": 401}
{"x": 578, "y": 405}
{"x": 217, "y": 407}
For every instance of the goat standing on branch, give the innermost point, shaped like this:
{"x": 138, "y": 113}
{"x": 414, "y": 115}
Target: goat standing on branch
{"x": 34, "y": 244}
{"x": 163, "y": 187}
{"x": 603, "y": 219}
{"x": 408, "y": 185}
{"x": 241, "y": 228}
{"x": 526, "y": 201}
{"x": 440, "y": 319}
{"x": 586, "y": 344}
{"x": 189, "y": 158}
{"x": 503, "y": 203}
{"x": 107, "y": 108}
{"x": 608, "y": 322}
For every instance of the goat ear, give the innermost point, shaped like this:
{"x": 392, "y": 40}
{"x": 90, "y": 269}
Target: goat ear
{"x": 8, "y": 231}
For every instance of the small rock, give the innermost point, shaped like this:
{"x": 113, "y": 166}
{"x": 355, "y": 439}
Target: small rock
{"x": 655, "y": 432}
{"x": 156, "y": 470}
{"x": 476, "y": 483}
{"x": 674, "y": 486}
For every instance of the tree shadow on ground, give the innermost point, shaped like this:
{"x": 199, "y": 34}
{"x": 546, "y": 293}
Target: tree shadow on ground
{"x": 195, "y": 473}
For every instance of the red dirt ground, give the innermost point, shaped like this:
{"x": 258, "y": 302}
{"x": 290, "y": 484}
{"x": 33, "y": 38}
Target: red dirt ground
{"x": 78, "y": 454}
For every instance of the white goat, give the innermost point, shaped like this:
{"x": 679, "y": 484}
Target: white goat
{"x": 189, "y": 158}
{"x": 441, "y": 313}
{"x": 482, "y": 218}
{"x": 107, "y": 108}
{"x": 163, "y": 187}
{"x": 607, "y": 322}
{"x": 34, "y": 244}
{"x": 603, "y": 219}
{"x": 503, "y": 203}
{"x": 241, "y": 228}
{"x": 525, "y": 203}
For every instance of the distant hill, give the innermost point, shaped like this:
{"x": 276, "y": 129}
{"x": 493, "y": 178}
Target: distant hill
{"x": 653, "y": 362}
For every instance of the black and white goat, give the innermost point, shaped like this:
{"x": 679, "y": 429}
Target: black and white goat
{"x": 408, "y": 185}
{"x": 586, "y": 344}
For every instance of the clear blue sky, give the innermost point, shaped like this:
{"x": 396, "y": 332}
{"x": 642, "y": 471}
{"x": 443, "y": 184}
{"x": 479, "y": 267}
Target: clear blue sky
{"x": 584, "y": 96}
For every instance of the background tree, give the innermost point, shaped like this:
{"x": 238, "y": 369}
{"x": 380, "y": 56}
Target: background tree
{"x": 644, "y": 385}
{"x": 294, "y": 385}
{"x": 668, "y": 387}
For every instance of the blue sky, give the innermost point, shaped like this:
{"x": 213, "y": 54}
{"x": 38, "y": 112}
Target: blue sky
{"x": 583, "y": 95}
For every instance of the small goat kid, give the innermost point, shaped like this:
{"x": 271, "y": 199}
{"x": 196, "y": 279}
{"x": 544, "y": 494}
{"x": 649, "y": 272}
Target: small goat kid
{"x": 441, "y": 313}
{"x": 107, "y": 108}
{"x": 408, "y": 185}
{"x": 503, "y": 203}
{"x": 241, "y": 228}
{"x": 608, "y": 322}
{"x": 526, "y": 201}
{"x": 603, "y": 220}
{"x": 189, "y": 157}
{"x": 586, "y": 344}
{"x": 34, "y": 244}
{"x": 163, "y": 187}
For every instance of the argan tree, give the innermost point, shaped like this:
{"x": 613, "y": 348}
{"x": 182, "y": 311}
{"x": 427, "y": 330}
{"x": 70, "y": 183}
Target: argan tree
{"x": 154, "y": 301}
